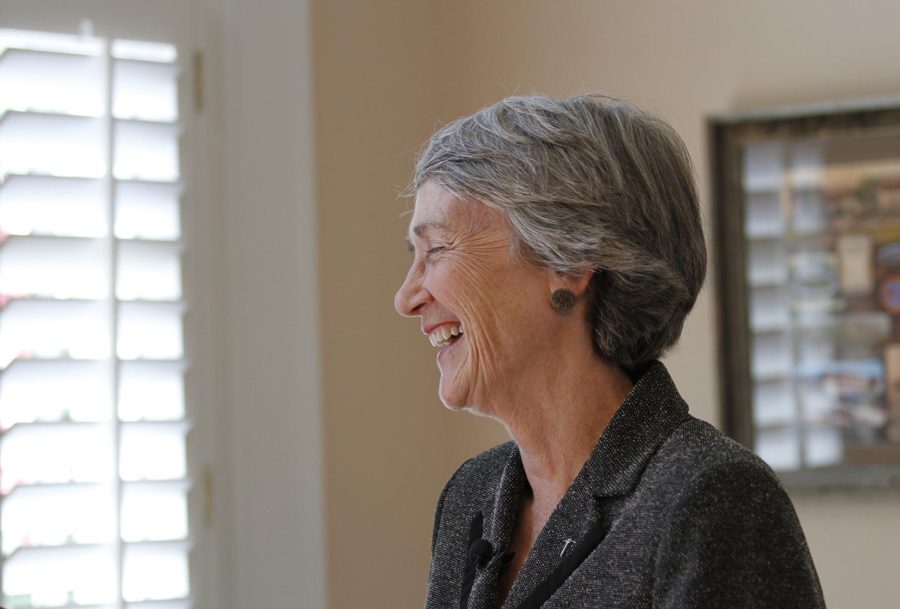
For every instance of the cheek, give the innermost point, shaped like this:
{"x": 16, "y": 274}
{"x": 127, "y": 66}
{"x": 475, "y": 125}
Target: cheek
{"x": 477, "y": 299}
{"x": 468, "y": 289}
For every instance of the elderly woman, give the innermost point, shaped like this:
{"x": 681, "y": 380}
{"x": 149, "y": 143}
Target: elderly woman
{"x": 557, "y": 250}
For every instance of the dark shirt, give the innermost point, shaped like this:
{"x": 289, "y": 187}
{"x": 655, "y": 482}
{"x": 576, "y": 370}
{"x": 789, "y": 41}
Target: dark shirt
{"x": 666, "y": 513}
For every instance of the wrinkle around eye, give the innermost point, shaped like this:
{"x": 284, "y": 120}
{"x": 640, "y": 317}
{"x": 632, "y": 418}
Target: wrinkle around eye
{"x": 432, "y": 251}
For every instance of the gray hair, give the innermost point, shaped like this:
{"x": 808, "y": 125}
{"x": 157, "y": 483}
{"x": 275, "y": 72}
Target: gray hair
{"x": 588, "y": 183}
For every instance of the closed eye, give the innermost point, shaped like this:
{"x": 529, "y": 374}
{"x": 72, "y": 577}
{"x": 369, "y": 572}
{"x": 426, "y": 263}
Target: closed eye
{"x": 430, "y": 253}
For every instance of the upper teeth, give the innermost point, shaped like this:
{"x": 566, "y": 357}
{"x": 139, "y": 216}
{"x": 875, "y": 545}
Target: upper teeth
{"x": 440, "y": 337}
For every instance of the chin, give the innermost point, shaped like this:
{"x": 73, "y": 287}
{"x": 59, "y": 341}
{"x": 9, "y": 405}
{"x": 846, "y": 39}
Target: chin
{"x": 451, "y": 402}
{"x": 452, "y": 396}
{"x": 458, "y": 403}
{"x": 451, "y": 406}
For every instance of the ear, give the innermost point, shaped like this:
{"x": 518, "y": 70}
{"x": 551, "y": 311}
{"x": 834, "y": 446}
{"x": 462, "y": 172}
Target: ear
{"x": 577, "y": 284}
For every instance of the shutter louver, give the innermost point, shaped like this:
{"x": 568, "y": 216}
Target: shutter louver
{"x": 93, "y": 470}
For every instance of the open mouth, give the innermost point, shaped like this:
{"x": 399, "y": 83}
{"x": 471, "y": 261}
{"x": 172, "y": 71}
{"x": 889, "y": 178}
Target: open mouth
{"x": 445, "y": 335}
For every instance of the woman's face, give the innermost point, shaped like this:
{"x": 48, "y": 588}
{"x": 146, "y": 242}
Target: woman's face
{"x": 466, "y": 280}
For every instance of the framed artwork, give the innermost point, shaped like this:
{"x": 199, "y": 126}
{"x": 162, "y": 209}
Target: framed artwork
{"x": 807, "y": 245}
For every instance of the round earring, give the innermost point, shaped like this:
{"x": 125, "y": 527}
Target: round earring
{"x": 562, "y": 300}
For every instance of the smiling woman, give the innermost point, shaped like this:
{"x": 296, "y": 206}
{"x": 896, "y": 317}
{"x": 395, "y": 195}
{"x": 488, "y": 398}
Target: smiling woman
{"x": 468, "y": 278}
{"x": 557, "y": 250}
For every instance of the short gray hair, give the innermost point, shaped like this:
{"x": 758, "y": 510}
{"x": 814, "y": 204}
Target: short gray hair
{"x": 588, "y": 183}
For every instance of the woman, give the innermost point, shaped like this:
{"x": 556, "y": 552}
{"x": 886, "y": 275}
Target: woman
{"x": 557, "y": 250}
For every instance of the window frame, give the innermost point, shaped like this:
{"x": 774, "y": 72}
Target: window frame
{"x": 174, "y": 22}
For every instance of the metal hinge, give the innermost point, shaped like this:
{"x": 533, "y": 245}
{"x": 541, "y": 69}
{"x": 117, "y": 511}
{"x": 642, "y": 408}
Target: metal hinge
{"x": 208, "y": 504}
{"x": 199, "y": 92}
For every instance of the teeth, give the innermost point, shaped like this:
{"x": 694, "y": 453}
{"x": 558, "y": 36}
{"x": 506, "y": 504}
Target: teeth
{"x": 441, "y": 336}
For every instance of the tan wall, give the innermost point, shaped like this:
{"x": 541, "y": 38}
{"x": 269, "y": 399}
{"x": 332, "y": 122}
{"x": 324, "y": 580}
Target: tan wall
{"x": 384, "y": 75}
{"x": 375, "y": 91}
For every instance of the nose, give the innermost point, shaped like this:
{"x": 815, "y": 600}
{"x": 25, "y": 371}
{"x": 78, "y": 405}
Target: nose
{"x": 412, "y": 295}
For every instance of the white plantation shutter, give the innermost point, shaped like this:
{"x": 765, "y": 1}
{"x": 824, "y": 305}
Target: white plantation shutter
{"x": 93, "y": 470}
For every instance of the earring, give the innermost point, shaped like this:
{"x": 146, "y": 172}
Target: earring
{"x": 562, "y": 300}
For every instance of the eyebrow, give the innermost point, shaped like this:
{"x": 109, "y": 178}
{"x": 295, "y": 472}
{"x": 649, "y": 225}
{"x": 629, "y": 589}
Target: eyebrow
{"x": 420, "y": 229}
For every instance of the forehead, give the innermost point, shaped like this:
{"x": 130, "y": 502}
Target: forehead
{"x": 438, "y": 208}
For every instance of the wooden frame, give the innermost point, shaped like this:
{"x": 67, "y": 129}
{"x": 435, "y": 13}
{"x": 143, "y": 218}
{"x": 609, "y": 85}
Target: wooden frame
{"x": 830, "y": 434}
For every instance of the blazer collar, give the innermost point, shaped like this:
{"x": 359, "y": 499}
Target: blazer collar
{"x": 649, "y": 414}
{"x": 645, "y": 419}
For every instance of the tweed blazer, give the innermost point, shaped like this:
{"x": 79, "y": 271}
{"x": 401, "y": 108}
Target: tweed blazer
{"x": 666, "y": 513}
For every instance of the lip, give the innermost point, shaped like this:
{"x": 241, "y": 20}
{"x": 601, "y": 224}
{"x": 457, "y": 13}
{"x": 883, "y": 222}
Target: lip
{"x": 429, "y": 329}
{"x": 445, "y": 350}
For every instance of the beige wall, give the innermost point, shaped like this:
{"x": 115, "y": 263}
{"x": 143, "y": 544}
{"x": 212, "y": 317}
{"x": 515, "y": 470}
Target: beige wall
{"x": 253, "y": 319}
{"x": 385, "y": 72}
{"x": 385, "y": 450}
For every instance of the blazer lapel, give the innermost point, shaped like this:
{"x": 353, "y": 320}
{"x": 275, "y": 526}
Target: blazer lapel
{"x": 574, "y": 552}
{"x": 499, "y": 514}
{"x": 587, "y": 511}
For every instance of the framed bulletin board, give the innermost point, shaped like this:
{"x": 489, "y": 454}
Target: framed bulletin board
{"x": 808, "y": 257}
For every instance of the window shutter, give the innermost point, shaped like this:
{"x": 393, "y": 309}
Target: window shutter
{"x": 93, "y": 475}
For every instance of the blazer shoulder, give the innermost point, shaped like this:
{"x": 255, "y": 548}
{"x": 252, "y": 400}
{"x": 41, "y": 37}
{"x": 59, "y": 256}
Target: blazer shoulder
{"x": 696, "y": 457}
{"x": 729, "y": 534}
{"x": 700, "y": 449}
{"x": 475, "y": 478}
{"x": 483, "y": 471}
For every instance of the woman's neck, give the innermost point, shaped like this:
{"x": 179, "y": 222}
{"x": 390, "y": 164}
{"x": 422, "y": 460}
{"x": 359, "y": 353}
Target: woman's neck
{"x": 556, "y": 417}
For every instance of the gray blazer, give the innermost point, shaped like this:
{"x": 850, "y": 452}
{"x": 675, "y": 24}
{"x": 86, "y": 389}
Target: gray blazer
{"x": 666, "y": 513}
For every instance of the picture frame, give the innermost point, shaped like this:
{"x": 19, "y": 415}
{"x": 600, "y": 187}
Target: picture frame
{"x": 807, "y": 256}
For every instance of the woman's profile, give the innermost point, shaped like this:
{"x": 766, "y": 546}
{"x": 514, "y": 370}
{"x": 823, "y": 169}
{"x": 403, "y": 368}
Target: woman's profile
{"x": 557, "y": 249}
